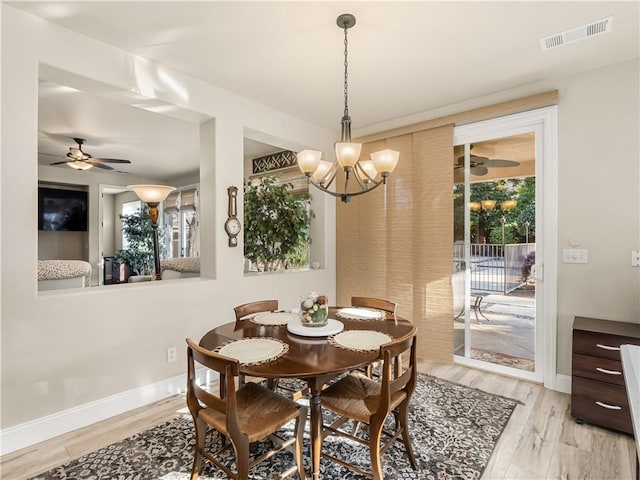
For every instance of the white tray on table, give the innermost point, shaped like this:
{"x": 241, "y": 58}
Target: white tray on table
{"x": 332, "y": 327}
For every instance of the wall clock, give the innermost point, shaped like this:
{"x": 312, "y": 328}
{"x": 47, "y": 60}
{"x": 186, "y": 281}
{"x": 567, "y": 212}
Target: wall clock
{"x": 232, "y": 225}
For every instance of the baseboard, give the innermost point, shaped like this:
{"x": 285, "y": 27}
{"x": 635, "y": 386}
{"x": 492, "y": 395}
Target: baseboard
{"x": 563, "y": 383}
{"x": 44, "y": 428}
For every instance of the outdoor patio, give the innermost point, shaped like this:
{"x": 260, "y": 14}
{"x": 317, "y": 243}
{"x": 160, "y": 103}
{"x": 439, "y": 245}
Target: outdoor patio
{"x": 504, "y": 330}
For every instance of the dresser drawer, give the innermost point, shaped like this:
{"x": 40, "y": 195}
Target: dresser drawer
{"x": 601, "y": 404}
{"x": 597, "y": 368}
{"x": 599, "y": 344}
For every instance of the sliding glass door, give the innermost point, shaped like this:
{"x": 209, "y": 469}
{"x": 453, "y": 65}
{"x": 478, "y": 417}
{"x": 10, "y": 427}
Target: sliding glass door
{"x": 496, "y": 278}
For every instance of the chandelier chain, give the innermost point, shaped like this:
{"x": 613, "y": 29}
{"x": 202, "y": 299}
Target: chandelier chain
{"x": 346, "y": 75}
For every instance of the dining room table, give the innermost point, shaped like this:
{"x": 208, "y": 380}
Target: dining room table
{"x": 316, "y": 355}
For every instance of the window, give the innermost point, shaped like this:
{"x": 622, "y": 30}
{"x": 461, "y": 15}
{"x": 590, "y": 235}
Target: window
{"x": 129, "y": 208}
{"x": 182, "y": 223}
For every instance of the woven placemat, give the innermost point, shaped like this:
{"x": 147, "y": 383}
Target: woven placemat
{"x": 273, "y": 318}
{"x": 360, "y": 340}
{"x": 358, "y": 313}
{"x": 254, "y": 350}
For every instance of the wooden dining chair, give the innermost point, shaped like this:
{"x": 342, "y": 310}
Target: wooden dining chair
{"x": 372, "y": 302}
{"x": 243, "y": 416}
{"x": 251, "y": 308}
{"x": 260, "y": 306}
{"x": 362, "y": 399}
{"x": 378, "y": 304}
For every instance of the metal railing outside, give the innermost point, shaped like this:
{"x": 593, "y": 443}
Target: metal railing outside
{"x": 494, "y": 268}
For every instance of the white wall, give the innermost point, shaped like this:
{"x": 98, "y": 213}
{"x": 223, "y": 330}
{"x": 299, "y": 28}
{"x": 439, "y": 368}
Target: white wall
{"x": 598, "y": 197}
{"x": 64, "y": 349}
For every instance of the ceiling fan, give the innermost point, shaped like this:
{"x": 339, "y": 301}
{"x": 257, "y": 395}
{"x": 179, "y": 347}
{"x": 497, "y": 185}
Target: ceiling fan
{"x": 80, "y": 160}
{"x": 480, "y": 165}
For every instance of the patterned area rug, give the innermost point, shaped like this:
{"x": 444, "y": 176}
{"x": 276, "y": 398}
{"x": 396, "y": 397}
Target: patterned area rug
{"x": 454, "y": 432}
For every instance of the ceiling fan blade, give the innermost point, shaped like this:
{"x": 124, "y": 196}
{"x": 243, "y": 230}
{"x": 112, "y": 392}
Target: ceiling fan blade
{"x": 100, "y": 165}
{"x": 479, "y": 171}
{"x": 59, "y": 163}
{"x": 474, "y": 159}
{"x": 110, "y": 160}
{"x": 499, "y": 163}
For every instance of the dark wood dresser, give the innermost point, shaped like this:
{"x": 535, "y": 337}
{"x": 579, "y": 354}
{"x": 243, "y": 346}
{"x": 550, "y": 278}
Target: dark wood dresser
{"x": 598, "y": 393}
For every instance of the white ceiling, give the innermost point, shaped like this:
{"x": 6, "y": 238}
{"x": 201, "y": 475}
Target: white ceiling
{"x": 404, "y": 57}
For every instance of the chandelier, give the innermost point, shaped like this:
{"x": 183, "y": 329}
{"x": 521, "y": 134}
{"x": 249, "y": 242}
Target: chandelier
{"x": 368, "y": 174}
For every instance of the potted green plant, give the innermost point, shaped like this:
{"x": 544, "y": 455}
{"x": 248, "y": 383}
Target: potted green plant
{"x": 276, "y": 225}
{"x": 137, "y": 229}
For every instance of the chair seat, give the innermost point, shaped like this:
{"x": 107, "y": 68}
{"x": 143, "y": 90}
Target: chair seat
{"x": 260, "y": 412}
{"x": 356, "y": 396}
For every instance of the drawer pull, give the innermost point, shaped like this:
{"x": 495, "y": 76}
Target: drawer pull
{"x": 607, "y": 347}
{"x": 608, "y": 372}
{"x": 609, "y": 407}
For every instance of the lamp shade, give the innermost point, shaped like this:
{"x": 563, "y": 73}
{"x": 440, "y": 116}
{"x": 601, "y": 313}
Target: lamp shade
{"x": 348, "y": 153}
{"x": 385, "y": 161}
{"x": 78, "y": 165}
{"x": 308, "y": 160}
{"x": 323, "y": 169}
{"x": 474, "y": 206}
{"x": 507, "y": 205}
{"x": 488, "y": 205}
{"x": 369, "y": 169}
{"x": 151, "y": 193}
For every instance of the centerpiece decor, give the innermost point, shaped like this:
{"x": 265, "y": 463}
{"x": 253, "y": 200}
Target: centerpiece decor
{"x": 314, "y": 311}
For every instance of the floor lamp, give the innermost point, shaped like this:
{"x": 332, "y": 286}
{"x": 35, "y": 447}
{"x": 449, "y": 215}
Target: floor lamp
{"x": 153, "y": 195}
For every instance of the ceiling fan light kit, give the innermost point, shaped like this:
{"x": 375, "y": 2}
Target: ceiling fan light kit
{"x": 79, "y": 165}
{"x": 321, "y": 173}
{"x": 80, "y": 160}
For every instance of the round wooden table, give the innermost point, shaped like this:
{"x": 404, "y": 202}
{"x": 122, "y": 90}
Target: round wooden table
{"x": 313, "y": 359}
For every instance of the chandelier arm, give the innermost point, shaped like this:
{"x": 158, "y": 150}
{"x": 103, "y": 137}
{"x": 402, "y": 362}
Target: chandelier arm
{"x": 323, "y": 188}
{"x": 345, "y": 196}
{"x": 363, "y": 185}
{"x": 330, "y": 181}
{"x": 346, "y": 180}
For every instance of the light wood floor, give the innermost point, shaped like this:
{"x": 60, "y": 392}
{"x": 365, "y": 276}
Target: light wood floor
{"x": 541, "y": 440}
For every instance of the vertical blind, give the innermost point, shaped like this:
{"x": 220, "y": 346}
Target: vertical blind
{"x": 397, "y": 244}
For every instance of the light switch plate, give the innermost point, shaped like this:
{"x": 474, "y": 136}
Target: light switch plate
{"x": 635, "y": 258}
{"x": 575, "y": 255}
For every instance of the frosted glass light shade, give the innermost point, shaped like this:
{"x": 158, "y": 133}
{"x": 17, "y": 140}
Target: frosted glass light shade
{"x": 474, "y": 206}
{"x": 308, "y": 160}
{"x": 369, "y": 168}
{"x": 151, "y": 193}
{"x": 348, "y": 153}
{"x": 322, "y": 170}
{"x": 385, "y": 161}
{"x": 80, "y": 165}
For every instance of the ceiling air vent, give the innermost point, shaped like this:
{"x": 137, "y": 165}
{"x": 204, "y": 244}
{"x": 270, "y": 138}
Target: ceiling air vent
{"x": 580, "y": 33}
